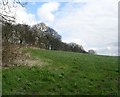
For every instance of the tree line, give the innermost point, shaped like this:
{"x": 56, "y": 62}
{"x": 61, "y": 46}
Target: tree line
{"x": 38, "y": 35}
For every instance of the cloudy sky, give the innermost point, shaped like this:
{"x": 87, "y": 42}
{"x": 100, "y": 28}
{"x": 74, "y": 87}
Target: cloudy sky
{"x": 91, "y": 23}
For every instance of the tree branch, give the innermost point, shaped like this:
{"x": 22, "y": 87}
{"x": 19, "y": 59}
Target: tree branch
{"x": 5, "y": 8}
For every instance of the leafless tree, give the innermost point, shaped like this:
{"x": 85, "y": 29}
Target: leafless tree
{"x": 7, "y": 17}
{"x": 6, "y": 10}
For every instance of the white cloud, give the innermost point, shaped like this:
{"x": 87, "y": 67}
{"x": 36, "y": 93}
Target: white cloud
{"x": 108, "y": 51}
{"x": 22, "y": 16}
{"x": 45, "y": 12}
{"x": 94, "y": 24}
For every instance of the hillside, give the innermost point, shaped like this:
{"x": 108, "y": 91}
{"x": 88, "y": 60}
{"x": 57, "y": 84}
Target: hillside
{"x": 62, "y": 73}
{"x": 39, "y": 35}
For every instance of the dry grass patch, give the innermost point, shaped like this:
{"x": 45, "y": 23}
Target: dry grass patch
{"x": 27, "y": 60}
{"x": 30, "y": 62}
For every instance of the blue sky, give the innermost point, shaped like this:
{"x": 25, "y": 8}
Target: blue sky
{"x": 91, "y": 23}
{"x": 32, "y": 7}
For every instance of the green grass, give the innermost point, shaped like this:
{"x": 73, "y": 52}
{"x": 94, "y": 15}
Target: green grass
{"x": 67, "y": 73}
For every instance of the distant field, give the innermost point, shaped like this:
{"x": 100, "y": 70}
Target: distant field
{"x": 63, "y": 73}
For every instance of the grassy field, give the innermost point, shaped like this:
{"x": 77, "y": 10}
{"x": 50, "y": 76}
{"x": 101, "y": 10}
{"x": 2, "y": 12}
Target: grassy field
{"x": 63, "y": 73}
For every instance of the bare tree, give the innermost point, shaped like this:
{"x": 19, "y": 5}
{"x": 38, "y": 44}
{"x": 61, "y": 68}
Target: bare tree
{"x": 7, "y": 10}
{"x": 7, "y": 17}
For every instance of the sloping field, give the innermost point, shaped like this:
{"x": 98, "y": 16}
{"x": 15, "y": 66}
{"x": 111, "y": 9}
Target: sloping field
{"x": 62, "y": 73}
